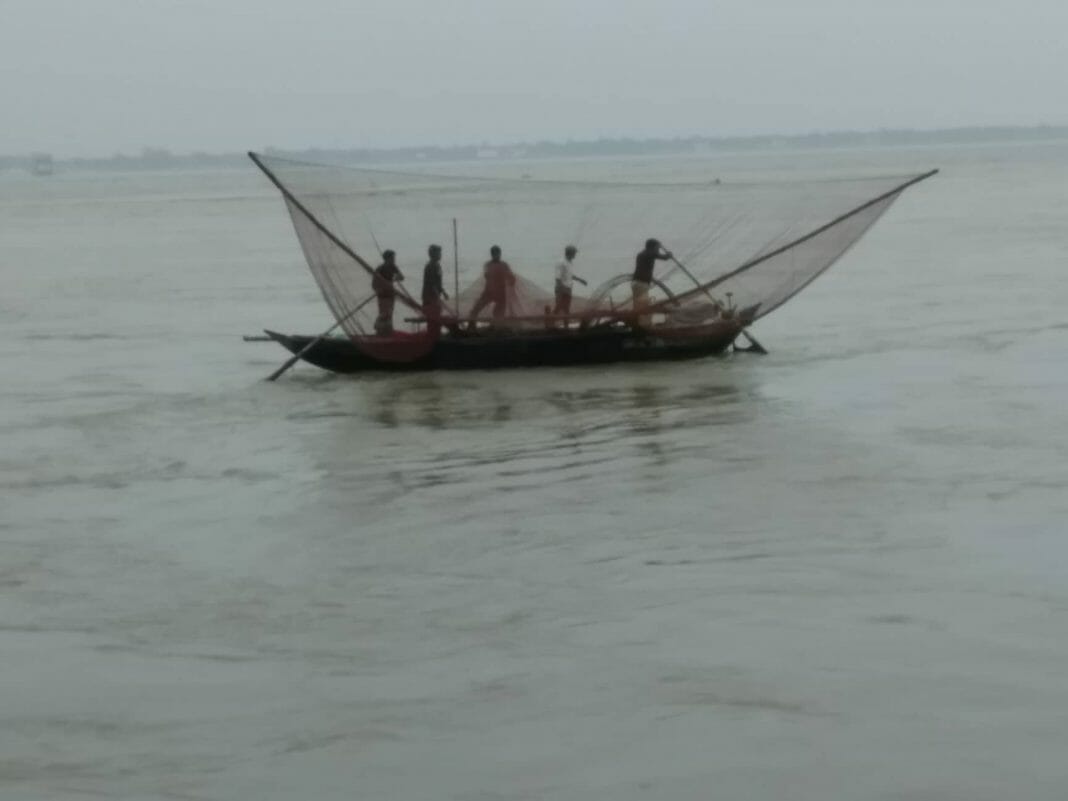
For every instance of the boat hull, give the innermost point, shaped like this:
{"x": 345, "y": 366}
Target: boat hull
{"x": 527, "y": 349}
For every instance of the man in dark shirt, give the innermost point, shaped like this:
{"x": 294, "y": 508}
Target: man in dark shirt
{"x": 643, "y": 277}
{"x": 433, "y": 291}
{"x": 382, "y": 282}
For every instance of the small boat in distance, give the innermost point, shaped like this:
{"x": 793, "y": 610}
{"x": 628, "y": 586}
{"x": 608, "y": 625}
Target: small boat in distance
{"x": 753, "y": 246}
{"x": 41, "y": 164}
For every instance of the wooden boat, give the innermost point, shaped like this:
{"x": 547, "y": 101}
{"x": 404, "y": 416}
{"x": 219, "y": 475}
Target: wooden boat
{"x": 497, "y": 349}
{"x": 779, "y": 236}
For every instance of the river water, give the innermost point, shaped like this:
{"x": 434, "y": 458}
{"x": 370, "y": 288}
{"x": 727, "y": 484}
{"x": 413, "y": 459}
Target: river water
{"x": 838, "y": 571}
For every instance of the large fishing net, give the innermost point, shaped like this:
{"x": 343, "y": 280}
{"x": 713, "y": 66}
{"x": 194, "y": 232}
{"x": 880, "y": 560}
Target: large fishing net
{"x": 745, "y": 243}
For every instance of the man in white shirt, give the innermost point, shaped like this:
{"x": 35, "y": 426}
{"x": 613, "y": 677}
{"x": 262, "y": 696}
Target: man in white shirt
{"x": 564, "y": 279}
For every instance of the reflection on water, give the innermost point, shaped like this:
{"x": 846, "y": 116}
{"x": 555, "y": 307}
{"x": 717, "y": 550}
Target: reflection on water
{"x": 527, "y": 429}
{"x": 448, "y": 401}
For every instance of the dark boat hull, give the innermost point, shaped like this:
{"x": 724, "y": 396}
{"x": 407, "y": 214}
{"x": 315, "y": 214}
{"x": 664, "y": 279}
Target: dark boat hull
{"x": 528, "y": 349}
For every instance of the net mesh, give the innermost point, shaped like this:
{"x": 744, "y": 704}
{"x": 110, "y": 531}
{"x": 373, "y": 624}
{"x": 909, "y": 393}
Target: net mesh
{"x": 763, "y": 283}
{"x": 752, "y": 241}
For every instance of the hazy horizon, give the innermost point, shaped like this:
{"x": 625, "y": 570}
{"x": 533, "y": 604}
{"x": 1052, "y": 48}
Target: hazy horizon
{"x": 904, "y": 137}
{"x": 91, "y": 80}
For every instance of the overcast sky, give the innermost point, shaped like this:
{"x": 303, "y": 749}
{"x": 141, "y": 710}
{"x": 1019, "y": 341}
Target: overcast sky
{"x": 95, "y": 77}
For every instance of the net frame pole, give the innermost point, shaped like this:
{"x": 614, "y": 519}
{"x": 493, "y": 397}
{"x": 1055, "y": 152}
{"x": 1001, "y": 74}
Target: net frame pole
{"x": 749, "y": 337}
{"x": 402, "y": 292}
{"x": 297, "y": 356}
{"x": 704, "y": 288}
{"x": 455, "y": 270}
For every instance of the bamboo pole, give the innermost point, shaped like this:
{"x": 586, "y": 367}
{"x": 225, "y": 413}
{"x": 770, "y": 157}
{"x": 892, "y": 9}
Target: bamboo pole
{"x": 402, "y": 293}
{"x": 297, "y": 356}
{"x": 704, "y": 288}
{"x": 455, "y": 270}
{"x": 751, "y": 339}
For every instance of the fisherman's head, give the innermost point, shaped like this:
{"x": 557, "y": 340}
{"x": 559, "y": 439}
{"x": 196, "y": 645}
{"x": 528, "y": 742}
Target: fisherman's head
{"x": 388, "y": 256}
{"x": 570, "y": 252}
{"x": 434, "y": 251}
{"x": 495, "y": 252}
{"x": 652, "y": 246}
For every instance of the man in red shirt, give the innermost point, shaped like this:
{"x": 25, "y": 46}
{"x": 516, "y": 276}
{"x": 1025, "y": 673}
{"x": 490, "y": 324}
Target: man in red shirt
{"x": 499, "y": 279}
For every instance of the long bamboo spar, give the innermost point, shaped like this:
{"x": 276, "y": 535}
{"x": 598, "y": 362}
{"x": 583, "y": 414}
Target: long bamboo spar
{"x": 297, "y": 356}
{"x": 455, "y": 269}
{"x": 404, "y": 296}
{"x": 752, "y": 340}
{"x": 703, "y": 288}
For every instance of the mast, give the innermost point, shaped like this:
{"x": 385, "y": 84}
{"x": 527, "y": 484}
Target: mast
{"x": 455, "y": 270}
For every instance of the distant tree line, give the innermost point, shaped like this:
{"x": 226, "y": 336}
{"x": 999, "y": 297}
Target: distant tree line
{"x": 158, "y": 158}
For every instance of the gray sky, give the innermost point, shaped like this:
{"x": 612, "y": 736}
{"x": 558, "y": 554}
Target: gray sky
{"x": 93, "y": 77}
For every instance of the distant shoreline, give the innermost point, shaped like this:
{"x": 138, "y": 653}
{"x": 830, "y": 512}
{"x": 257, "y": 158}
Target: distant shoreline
{"x": 157, "y": 158}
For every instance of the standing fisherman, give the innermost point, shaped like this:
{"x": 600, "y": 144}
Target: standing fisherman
{"x": 564, "y": 278}
{"x": 643, "y": 277}
{"x": 433, "y": 291}
{"x": 499, "y": 279}
{"x": 382, "y": 282}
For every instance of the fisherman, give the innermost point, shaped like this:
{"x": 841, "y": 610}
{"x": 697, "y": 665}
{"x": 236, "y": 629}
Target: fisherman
{"x": 564, "y": 278}
{"x": 499, "y": 279}
{"x": 643, "y": 277}
{"x": 382, "y": 283}
{"x": 433, "y": 291}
